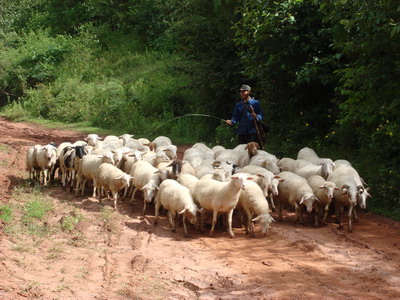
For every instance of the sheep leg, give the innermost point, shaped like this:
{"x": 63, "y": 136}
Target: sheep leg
{"x": 94, "y": 187}
{"x": 244, "y": 220}
{"x": 78, "y": 181}
{"x": 133, "y": 193}
{"x": 172, "y": 220}
{"x": 44, "y": 176}
{"x": 316, "y": 216}
{"x": 214, "y": 221}
{"x": 230, "y": 213}
{"x": 144, "y": 204}
{"x": 297, "y": 211}
{"x": 125, "y": 192}
{"x": 271, "y": 199}
{"x": 157, "y": 206}
{"x": 250, "y": 224}
{"x": 326, "y": 210}
{"x": 337, "y": 212}
{"x": 355, "y": 217}
{"x": 349, "y": 214}
{"x": 202, "y": 216}
{"x": 185, "y": 232}
{"x": 280, "y": 211}
{"x": 83, "y": 186}
{"x": 115, "y": 196}
{"x": 340, "y": 215}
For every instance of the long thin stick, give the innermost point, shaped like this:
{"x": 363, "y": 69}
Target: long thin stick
{"x": 187, "y": 115}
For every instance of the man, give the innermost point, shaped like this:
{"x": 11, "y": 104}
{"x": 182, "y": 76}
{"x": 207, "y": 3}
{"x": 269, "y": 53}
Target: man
{"x": 246, "y": 111}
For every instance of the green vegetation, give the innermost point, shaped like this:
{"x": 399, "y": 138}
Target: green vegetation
{"x": 326, "y": 73}
{"x": 5, "y": 213}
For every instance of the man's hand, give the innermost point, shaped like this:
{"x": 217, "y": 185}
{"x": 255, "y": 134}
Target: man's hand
{"x": 229, "y": 122}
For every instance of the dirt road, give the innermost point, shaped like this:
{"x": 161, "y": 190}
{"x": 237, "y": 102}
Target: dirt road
{"x": 117, "y": 255}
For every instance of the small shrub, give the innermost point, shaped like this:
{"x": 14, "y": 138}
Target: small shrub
{"x": 5, "y": 213}
{"x": 15, "y": 111}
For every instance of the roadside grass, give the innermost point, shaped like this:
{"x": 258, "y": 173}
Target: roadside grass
{"x": 32, "y": 212}
{"x": 4, "y": 148}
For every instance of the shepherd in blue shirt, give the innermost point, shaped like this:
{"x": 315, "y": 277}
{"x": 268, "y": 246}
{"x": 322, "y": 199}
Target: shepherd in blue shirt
{"x": 246, "y": 111}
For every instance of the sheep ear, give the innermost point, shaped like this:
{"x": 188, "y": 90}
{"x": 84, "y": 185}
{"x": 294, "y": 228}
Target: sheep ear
{"x": 337, "y": 189}
{"x": 250, "y": 178}
{"x": 247, "y": 147}
{"x": 302, "y": 200}
{"x": 316, "y": 199}
{"x": 256, "y": 219}
{"x": 182, "y": 211}
{"x": 260, "y": 175}
{"x": 202, "y": 210}
{"x": 321, "y": 187}
{"x": 277, "y": 177}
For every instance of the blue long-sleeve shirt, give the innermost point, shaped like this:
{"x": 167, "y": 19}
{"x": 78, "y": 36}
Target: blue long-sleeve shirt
{"x": 243, "y": 117}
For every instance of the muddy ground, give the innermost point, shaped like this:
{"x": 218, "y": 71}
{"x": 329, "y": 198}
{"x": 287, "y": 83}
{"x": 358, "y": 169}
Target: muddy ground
{"x": 118, "y": 255}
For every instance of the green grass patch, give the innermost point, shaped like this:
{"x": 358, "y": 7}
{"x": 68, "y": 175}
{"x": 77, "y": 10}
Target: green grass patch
{"x": 5, "y": 148}
{"x": 5, "y": 213}
{"x": 70, "y": 222}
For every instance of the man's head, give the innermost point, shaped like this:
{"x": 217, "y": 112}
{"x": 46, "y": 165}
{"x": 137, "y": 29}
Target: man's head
{"x": 245, "y": 91}
{"x": 245, "y": 87}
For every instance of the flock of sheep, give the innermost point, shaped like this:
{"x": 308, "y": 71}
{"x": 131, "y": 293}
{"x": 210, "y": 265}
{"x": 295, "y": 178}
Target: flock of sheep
{"x": 216, "y": 180}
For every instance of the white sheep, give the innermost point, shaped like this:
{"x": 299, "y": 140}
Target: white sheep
{"x": 217, "y": 174}
{"x": 246, "y": 152}
{"x": 345, "y": 197}
{"x": 88, "y": 168}
{"x": 308, "y": 154}
{"x": 323, "y": 190}
{"x": 187, "y": 168}
{"x": 169, "y": 150}
{"x": 266, "y": 160}
{"x": 175, "y": 198}
{"x": 252, "y": 201}
{"x": 267, "y": 181}
{"x": 147, "y": 178}
{"x": 229, "y": 155}
{"x": 124, "y": 138}
{"x": 46, "y": 157}
{"x": 363, "y": 193}
{"x": 110, "y": 178}
{"x": 162, "y": 141}
{"x": 220, "y": 197}
{"x": 69, "y": 161}
{"x": 128, "y": 159}
{"x": 92, "y": 139}
{"x": 287, "y": 164}
{"x": 217, "y": 150}
{"x": 194, "y": 156}
{"x": 31, "y": 163}
{"x": 306, "y": 169}
{"x": 143, "y": 141}
{"x": 295, "y": 191}
{"x": 189, "y": 181}
{"x": 207, "y": 153}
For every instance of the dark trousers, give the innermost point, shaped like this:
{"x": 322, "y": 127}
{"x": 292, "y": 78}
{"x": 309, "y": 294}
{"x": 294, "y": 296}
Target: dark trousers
{"x": 247, "y": 138}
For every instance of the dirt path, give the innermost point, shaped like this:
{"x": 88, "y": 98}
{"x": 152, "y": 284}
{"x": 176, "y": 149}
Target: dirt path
{"x": 118, "y": 255}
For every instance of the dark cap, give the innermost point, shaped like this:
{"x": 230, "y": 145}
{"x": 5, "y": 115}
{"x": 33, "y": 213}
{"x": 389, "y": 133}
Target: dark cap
{"x": 245, "y": 87}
